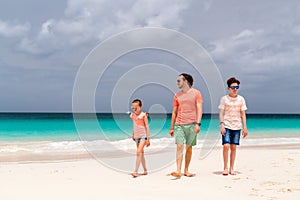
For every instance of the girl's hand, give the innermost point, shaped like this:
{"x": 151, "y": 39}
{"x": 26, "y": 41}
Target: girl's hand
{"x": 148, "y": 143}
{"x": 132, "y": 138}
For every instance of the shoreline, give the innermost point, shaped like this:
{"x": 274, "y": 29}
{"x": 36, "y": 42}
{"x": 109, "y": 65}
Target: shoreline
{"x": 65, "y": 156}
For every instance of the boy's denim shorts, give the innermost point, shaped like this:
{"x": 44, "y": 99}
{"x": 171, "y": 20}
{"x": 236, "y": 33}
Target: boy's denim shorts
{"x": 231, "y": 137}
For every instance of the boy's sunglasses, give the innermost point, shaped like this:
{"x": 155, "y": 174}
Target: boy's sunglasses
{"x": 134, "y": 109}
{"x": 234, "y": 87}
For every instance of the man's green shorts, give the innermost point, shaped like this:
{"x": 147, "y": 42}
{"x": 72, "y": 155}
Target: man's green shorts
{"x": 184, "y": 134}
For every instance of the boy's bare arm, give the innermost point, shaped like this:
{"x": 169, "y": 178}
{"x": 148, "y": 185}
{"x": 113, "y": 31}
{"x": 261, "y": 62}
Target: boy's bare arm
{"x": 221, "y": 118}
{"x": 245, "y": 131}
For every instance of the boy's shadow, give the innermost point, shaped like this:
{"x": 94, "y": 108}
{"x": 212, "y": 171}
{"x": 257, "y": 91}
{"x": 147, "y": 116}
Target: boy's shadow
{"x": 221, "y": 173}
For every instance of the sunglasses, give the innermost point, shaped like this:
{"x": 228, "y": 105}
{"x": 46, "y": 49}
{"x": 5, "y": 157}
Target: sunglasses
{"x": 134, "y": 109}
{"x": 234, "y": 87}
{"x": 178, "y": 80}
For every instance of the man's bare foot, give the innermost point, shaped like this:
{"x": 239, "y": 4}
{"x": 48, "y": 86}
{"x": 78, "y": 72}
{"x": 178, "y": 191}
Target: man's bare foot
{"x": 187, "y": 174}
{"x": 176, "y": 174}
{"x": 225, "y": 172}
{"x": 134, "y": 174}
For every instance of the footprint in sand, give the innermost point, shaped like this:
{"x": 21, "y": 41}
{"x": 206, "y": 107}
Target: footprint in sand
{"x": 271, "y": 183}
{"x": 284, "y": 190}
{"x": 291, "y": 160}
{"x": 255, "y": 189}
{"x": 254, "y": 192}
{"x": 253, "y": 195}
{"x": 272, "y": 198}
{"x": 275, "y": 164}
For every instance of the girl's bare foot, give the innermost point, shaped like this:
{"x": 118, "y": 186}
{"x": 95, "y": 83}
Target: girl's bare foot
{"x": 134, "y": 174}
{"x": 145, "y": 173}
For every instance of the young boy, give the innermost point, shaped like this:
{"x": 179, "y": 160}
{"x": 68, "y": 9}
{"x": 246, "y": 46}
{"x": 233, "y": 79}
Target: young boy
{"x": 232, "y": 120}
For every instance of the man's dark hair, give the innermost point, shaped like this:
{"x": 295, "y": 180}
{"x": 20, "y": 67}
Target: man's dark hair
{"x": 189, "y": 78}
{"x": 232, "y": 80}
{"x": 137, "y": 101}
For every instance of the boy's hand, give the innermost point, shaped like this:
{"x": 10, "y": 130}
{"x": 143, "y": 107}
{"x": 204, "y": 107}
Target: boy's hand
{"x": 223, "y": 131}
{"x": 245, "y": 132}
{"x": 148, "y": 143}
{"x": 172, "y": 132}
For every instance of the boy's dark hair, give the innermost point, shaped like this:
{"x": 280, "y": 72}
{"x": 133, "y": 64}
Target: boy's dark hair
{"x": 232, "y": 80}
{"x": 189, "y": 78}
{"x": 137, "y": 101}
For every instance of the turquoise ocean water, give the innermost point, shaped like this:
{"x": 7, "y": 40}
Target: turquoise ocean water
{"x": 59, "y": 129}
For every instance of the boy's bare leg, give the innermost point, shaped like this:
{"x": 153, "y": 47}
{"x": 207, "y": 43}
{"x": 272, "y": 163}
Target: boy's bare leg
{"x": 179, "y": 157}
{"x": 188, "y": 156}
{"x": 232, "y": 158}
{"x": 225, "y": 158}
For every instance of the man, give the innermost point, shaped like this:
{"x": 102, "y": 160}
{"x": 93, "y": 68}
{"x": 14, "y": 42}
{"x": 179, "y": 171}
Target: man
{"x": 186, "y": 121}
{"x": 232, "y": 119}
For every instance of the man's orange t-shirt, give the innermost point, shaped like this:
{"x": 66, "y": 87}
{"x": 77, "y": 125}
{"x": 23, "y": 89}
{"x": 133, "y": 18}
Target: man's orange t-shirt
{"x": 187, "y": 106}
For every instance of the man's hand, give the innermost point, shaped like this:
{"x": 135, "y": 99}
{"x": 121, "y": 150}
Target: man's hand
{"x": 172, "y": 132}
{"x": 196, "y": 129}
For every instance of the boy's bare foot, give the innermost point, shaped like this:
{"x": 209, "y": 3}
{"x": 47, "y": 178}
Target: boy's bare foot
{"x": 232, "y": 173}
{"x": 225, "y": 172}
{"x": 187, "y": 174}
{"x": 176, "y": 174}
{"x": 134, "y": 174}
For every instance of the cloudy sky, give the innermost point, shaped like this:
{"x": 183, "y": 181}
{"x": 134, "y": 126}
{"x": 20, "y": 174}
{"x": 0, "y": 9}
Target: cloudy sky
{"x": 43, "y": 44}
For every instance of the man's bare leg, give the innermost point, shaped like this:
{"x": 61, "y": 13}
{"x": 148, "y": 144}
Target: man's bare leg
{"x": 179, "y": 157}
{"x": 188, "y": 156}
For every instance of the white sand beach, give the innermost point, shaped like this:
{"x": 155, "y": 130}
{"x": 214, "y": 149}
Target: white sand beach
{"x": 263, "y": 173}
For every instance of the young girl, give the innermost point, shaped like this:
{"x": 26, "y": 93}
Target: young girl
{"x": 140, "y": 134}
